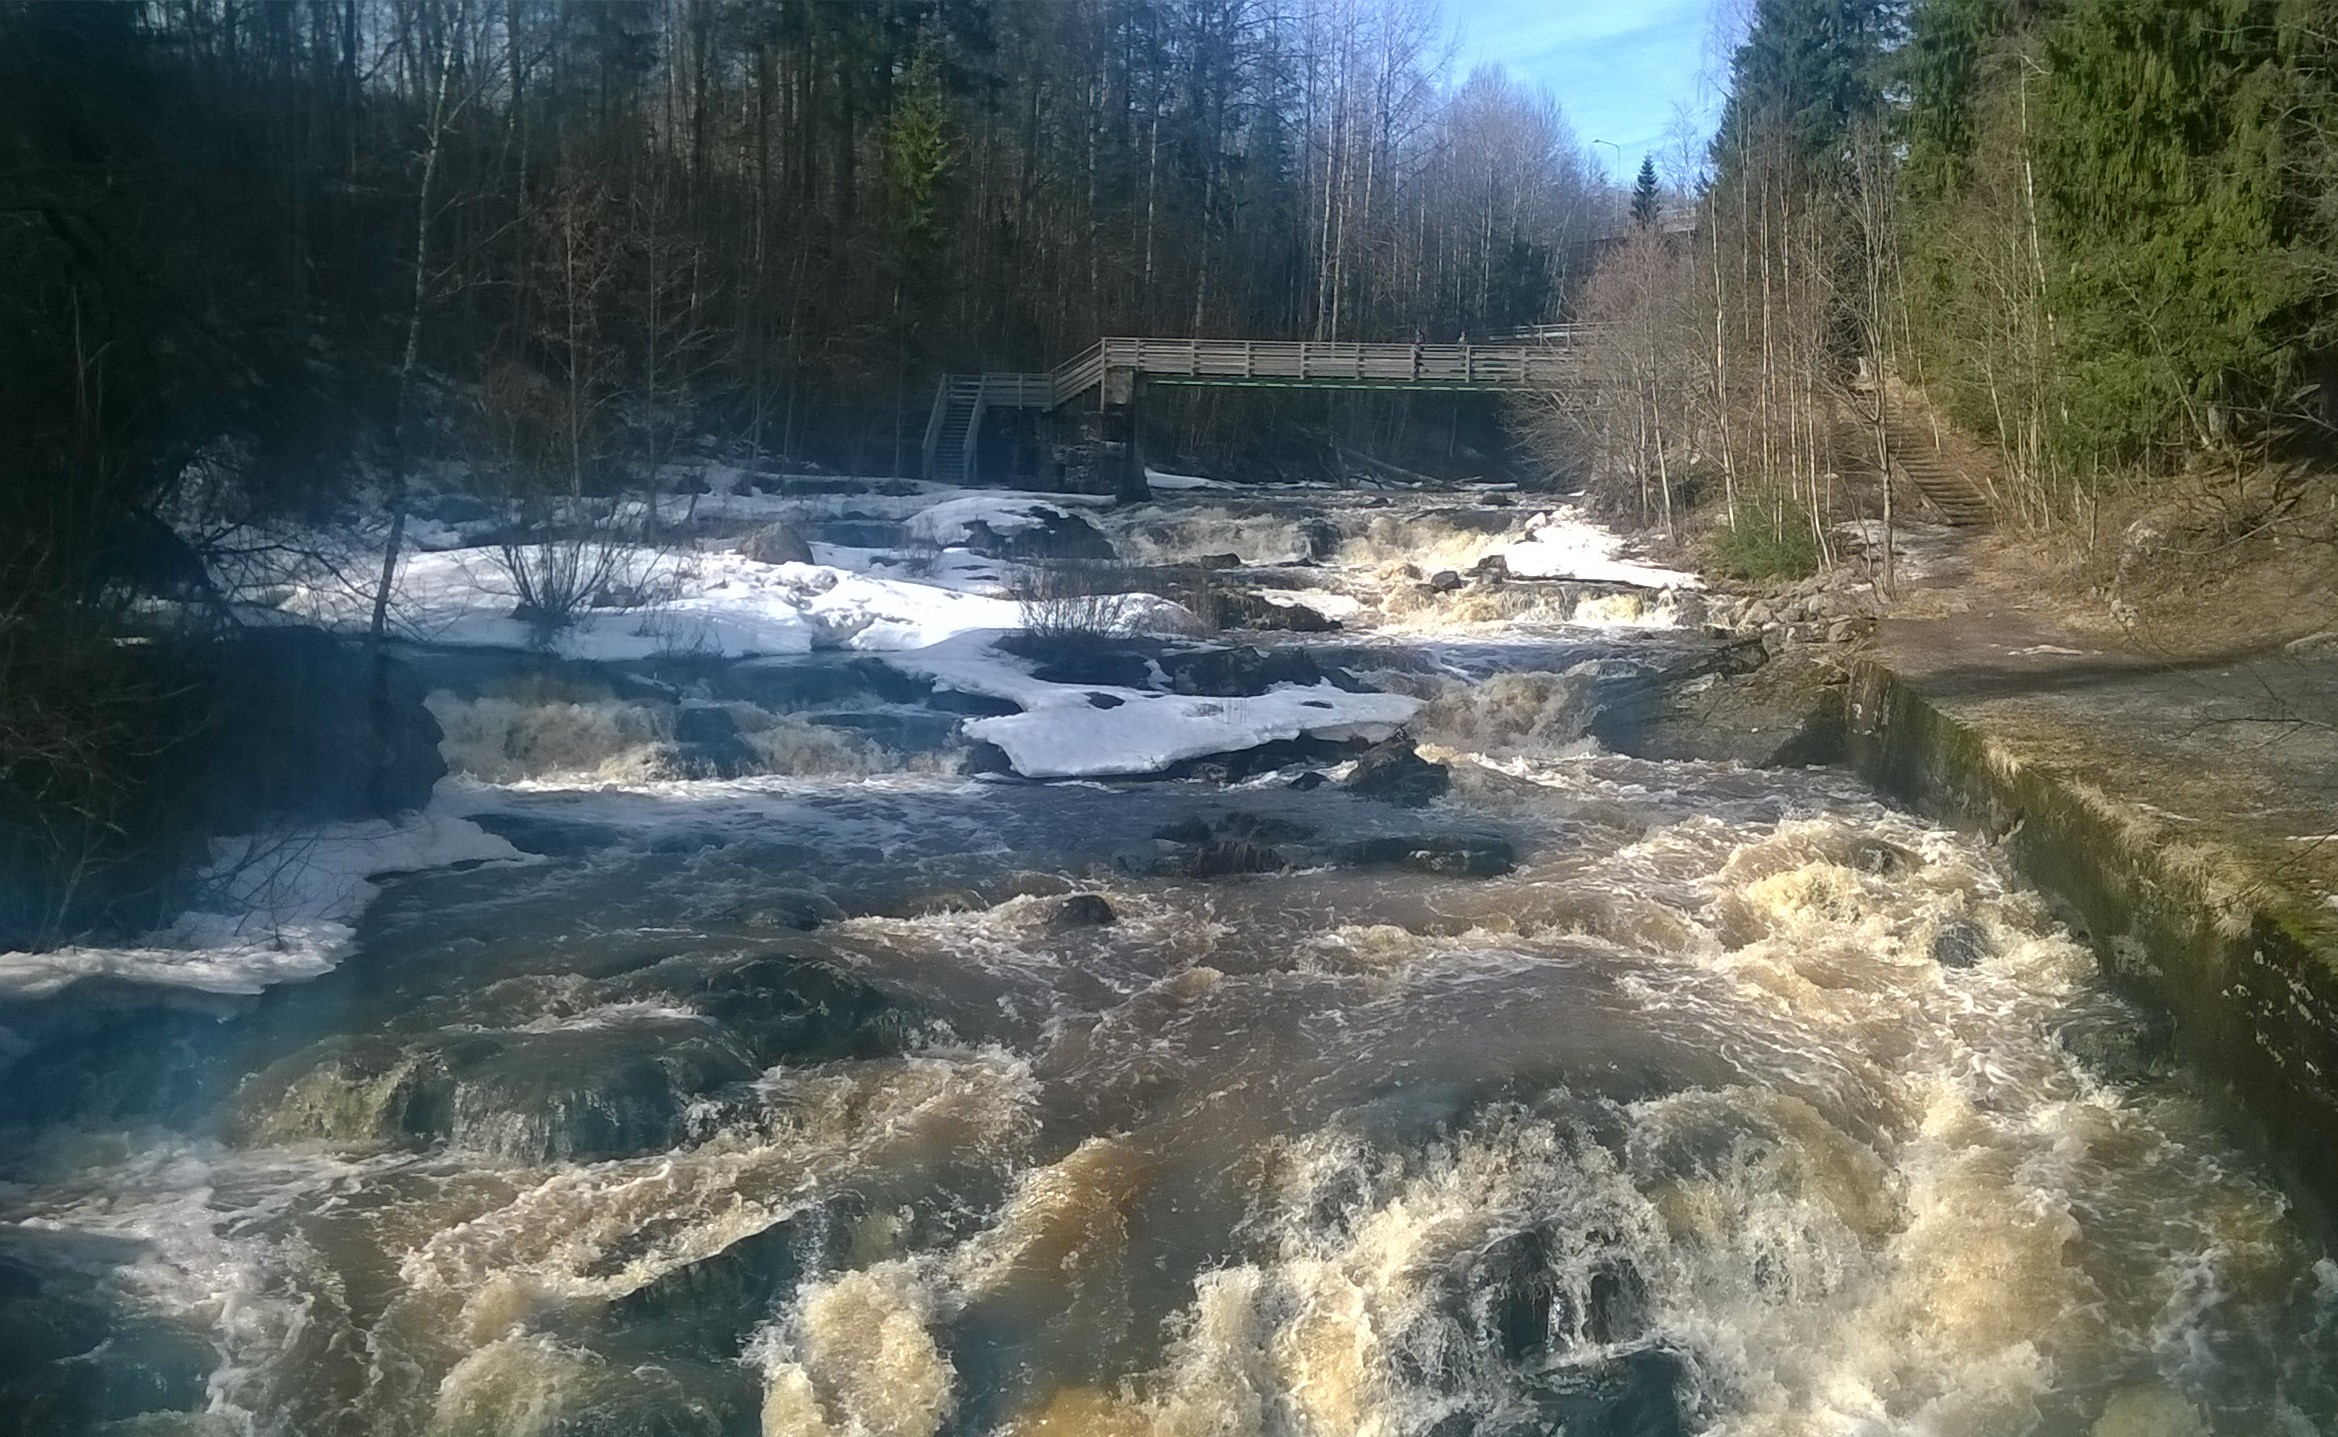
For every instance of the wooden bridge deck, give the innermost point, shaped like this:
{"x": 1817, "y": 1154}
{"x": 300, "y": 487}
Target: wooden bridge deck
{"x": 1548, "y": 357}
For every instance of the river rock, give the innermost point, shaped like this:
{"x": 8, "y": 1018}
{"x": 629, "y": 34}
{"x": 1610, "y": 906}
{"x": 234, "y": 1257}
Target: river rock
{"x": 1222, "y": 857}
{"x": 1186, "y": 830}
{"x": 1059, "y": 535}
{"x": 1395, "y": 773}
{"x": 1081, "y": 910}
{"x": 1319, "y": 540}
{"x": 707, "y": 744}
{"x": 1444, "y": 581}
{"x": 1452, "y": 855}
{"x": 776, "y": 544}
{"x": 1239, "y": 609}
{"x": 1238, "y": 672}
{"x": 575, "y": 1095}
{"x": 1959, "y": 945}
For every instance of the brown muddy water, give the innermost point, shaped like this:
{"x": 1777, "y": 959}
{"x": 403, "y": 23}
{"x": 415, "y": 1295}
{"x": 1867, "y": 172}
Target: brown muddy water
{"x": 803, "y": 1106}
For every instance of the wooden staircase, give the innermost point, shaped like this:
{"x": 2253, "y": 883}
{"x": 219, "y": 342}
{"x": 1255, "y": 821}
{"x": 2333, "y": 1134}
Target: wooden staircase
{"x": 1946, "y": 480}
{"x": 953, "y": 429}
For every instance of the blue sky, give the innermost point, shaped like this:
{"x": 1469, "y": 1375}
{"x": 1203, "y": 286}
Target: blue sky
{"x": 1619, "y": 68}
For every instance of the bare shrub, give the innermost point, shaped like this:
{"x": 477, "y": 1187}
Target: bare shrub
{"x": 1062, "y": 602}
{"x": 556, "y": 579}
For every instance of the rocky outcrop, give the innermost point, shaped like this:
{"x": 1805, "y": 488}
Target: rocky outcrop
{"x": 777, "y": 544}
{"x": 1394, "y": 773}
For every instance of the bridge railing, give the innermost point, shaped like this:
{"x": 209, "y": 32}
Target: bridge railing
{"x": 1547, "y": 360}
{"x": 1321, "y": 361}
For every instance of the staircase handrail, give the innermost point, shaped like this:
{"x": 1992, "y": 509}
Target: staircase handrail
{"x": 933, "y": 423}
{"x": 1068, "y": 380}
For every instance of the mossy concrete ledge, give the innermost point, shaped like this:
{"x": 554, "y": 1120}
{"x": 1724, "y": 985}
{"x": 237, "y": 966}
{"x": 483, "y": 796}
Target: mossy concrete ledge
{"x": 2200, "y": 912}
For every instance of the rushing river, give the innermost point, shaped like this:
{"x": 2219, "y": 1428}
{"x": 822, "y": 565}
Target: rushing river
{"x": 1742, "y": 1103}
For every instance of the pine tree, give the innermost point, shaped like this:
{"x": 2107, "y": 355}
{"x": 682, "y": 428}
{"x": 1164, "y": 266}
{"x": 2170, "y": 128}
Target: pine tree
{"x": 1647, "y": 199}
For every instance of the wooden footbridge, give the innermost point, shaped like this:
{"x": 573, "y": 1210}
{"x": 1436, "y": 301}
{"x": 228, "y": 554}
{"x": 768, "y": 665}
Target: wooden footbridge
{"x": 1546, "y": 357}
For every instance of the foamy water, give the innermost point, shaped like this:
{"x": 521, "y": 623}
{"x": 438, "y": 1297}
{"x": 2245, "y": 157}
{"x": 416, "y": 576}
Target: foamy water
{"x": 792, "y": 1104}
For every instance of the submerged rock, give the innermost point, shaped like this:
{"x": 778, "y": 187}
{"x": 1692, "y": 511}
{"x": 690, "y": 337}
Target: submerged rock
{"x": 579, "y": 1094}
{"x": 1185, "y": 830}
{"x": 1452, "y": 855}
{"x": 1394, "y": 773}
{"x": 1221, "y": 857}
{"x": 1640, "y": 1394}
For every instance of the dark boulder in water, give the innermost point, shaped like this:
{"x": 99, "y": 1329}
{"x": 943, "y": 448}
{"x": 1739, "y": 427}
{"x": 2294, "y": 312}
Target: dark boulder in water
{"x": 1394, "y": 773}
{"x": 577, "y": 1094}
{"x": 1260, "y": 758}
{"x": 1238, "y": 672}
{"x": 1266, "y": 827}
{"x": 1450, "y": 855}
{"x": 708, "y": 744}
{"x": 1081, "y": 910}
{"x": 1640, "y": 1394}
{"x": 1238, "y": 609}
{"x": 359, "y": 1089}
{"x": 1059, "y": 535}
{"x": 982, "y": 758}
{"x": 788, "y": 1010}
{"x": 1319, "y": 540}
{"x": 1223, "y": 857}
{"x": 2125, "y": 1044}
{"x": 1959, "y": 945}
{"x": 1186, "y": 830}
{"x": 550, "y": 837}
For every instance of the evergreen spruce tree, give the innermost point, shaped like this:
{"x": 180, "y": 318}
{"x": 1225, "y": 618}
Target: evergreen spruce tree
{"x": 1647, "y": 200}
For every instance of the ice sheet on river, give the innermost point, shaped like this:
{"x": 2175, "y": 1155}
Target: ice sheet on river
{"x": 1095, "y": 730}
{"x": 280, "y": 908}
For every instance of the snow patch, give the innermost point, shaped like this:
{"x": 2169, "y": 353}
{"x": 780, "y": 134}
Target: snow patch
{"x": 1322, "y": 601}
{"x": 280, "y": 908}
{"x": 1159, "y": 479}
